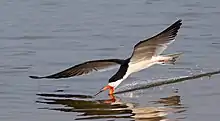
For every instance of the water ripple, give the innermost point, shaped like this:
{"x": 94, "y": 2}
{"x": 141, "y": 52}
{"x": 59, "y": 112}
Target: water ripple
{"x": 109, "y": 109}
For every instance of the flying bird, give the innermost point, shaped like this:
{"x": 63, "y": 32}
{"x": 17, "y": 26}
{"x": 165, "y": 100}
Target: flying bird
{"x": 145, "y": 54}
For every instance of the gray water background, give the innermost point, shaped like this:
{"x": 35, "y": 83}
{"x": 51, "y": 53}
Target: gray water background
{"x": 46, "y": 36}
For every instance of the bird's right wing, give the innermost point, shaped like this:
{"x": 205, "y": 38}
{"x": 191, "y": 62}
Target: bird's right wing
{"x": 83, "y": 68}
{"x": 146, "y": 49}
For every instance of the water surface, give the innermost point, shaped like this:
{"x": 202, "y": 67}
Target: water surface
{"x": 45, "y": 36}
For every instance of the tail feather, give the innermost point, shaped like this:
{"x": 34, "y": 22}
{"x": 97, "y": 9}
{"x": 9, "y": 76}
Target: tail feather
{"x": 170, "y": 58}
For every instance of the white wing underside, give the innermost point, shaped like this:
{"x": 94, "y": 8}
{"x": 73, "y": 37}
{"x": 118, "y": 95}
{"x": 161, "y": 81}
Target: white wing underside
{"x": 154, "y": 46}
{"x": 162, "y": 48}
{"x": 145, "y": 59}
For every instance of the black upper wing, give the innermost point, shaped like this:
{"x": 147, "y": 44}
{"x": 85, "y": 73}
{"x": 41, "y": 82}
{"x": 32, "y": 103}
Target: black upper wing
{"x": 83, "y": 68}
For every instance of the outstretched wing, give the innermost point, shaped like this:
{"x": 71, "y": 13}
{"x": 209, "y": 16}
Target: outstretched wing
{"x": 83, "y": 68}
{"x": 155, "y": 45}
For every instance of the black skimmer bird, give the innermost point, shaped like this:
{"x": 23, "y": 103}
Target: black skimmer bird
{"x": 145, "y": 54}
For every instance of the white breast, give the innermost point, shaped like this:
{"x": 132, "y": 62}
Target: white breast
{"x": 135, "y": 67}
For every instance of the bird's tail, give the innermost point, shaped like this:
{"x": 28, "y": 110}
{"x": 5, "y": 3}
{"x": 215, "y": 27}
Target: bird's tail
{"x": 170, "y": 58}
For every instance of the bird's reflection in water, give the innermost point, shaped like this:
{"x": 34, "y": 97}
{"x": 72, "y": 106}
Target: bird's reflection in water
{"x": 112, "y": 108}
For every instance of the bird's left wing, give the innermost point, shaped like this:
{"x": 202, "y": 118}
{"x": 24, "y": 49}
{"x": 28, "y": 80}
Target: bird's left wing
{"x": 83, "y": 68}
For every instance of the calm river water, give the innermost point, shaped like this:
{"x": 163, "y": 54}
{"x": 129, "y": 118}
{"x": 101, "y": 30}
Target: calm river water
{"x": 40, "y": 37}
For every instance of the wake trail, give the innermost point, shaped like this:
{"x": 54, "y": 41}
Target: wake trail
{"x": 145, "y": 85}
